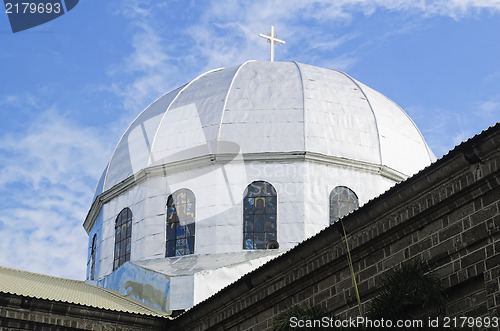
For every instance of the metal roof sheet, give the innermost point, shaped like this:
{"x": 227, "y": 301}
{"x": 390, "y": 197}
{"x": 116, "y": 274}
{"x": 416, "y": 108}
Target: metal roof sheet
{"x": 33, "y": 285}
{"x": 191, "y": 264}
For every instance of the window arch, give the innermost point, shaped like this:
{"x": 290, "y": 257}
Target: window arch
{"x": 180, "y": 223}
{"x": 343, "y": 200}
{"x": 259, "y": 215}
{"x": 93, "y": 253}
{"x": 123, "y": 236}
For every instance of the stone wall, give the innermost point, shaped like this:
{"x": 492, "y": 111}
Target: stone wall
{"x": 447, "y": 215}
{"x": 22, "y": 313}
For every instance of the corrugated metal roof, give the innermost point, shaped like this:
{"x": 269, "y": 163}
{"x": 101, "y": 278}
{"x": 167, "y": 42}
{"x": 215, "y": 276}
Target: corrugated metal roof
{"x": 45, "y": 287}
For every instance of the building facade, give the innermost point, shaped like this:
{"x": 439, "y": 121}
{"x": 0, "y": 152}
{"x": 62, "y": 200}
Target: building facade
{"x": 447, "y": 215}
{"x": 236, "y": 167}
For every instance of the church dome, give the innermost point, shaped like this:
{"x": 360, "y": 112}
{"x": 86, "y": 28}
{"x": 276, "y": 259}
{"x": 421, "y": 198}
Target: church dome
{"x": 270, "y": 107}
{"x": 220, "y": 175}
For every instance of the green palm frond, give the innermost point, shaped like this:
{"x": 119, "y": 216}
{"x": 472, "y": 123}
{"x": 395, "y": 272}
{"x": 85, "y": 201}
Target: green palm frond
{"x": 406, "y": 291}
{"x": 281, "y": 321}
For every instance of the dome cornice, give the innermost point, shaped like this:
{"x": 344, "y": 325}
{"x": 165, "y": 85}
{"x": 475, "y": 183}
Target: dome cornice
{"x": 219, "y": 160}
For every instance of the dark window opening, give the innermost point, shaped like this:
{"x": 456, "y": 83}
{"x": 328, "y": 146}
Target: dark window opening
{"x": 180, "y": 223}
{"x": 259, "y": 215}
{"x": 342, "y": 202}
{"x": 123, "y": 236}
{"x": 93, "y": 252}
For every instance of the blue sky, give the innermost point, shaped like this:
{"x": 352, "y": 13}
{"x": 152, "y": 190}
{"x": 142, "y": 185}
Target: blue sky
{"x": 69, "y": 88}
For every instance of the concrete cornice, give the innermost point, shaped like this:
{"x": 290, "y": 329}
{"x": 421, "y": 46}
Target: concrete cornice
{"x": 221, "y": 159}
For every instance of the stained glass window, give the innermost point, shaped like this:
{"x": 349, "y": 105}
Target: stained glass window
{"x": 342, "y": 201}
{"x": 180, "y": 223}
{"x": 259, "y": 215}
{"x": 93, "y": 251}
{"x": 123, "y": 236}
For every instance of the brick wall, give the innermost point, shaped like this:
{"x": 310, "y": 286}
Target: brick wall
{"x": 21, "y": 313}
{"x": 447, "y": 215}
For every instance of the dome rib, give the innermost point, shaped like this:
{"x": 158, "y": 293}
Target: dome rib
{"x": 371, "y": 109}
{"x": 100, "y": 184}
{"x": 430, "y": 154}
{"x": 243, "y": 93}
{"x": 170, "y": 105}
{"x": 225, "y": 102}
{"x": 127, "y": 131}
{"x": 303, "y": 103}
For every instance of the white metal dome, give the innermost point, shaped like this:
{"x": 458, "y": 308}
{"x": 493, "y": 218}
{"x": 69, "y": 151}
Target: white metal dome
{"x": 270, "y": 107}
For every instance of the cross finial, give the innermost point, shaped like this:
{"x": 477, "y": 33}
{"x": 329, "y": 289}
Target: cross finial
{"x": 273, "y": 40}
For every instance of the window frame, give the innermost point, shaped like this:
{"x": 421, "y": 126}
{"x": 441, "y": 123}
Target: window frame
{"x": 180, "y": 228}
{"x": 260, "y": 215}
{"x": 123, "y": 245}
{"x": 343, "y": 207}
{"x": 93, "y": 254}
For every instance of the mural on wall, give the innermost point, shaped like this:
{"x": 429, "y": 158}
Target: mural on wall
{"x": 142, "y": 284}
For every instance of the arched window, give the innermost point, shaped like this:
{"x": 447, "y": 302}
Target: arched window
{"x": 259, "y": 215}
{"x": 93, "y": 252}
{"x": 123, "y": 236}
{"x": 180, "y": 223}
{"x": 342, "y": 201}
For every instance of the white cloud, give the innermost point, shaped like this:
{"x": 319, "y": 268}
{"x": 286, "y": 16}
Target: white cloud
{"x": 438, "y": 126}
{"x": 146, "y": 73}
{"x": 47, "y": 176}
{"x": 461, "y": 8}
{"x": 489, "y": 109}
{"x": 52, "y": 147}
{"x": 461, "y": 136}
{"x": 48, "y": 172}
{"x": 226, "y": 33}
{"x": 443, "y": 129}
